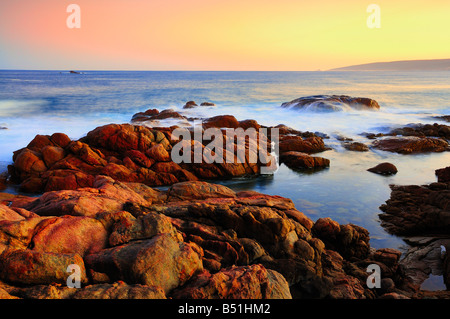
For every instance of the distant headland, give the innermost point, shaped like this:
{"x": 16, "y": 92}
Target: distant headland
{"x": 409, "y": 65}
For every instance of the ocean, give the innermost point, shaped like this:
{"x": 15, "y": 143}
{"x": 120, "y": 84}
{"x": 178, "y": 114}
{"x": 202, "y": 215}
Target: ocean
{"x": 45, "y": 102}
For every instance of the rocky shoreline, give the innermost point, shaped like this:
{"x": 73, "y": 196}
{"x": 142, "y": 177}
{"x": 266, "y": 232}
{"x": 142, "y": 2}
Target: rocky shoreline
{"x": 95, "y": 206}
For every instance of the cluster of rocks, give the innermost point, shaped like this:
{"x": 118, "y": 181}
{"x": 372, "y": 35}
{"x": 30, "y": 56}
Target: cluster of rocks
{"x": 195, "y": 240}
{"x": 416, "y": 138}
{"x": 97, "y": 210}
{"x": 138, "y": 153}
{"x": 421, "y": 214}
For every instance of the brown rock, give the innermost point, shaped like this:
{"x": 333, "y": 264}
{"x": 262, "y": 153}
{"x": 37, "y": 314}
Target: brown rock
{"x": 119, "y": 290}
{"x": 296, "y": 143}
{"x": 295, "y": 159}
{"x": 411, "y": 144}
{"x": 106, "y": 196}
{"x": 198, "y": 190}
{"x": 52, "y": 154}
{"x": 416, "y": 210}
{"x": 190, "y": 105}
{"x": 246, "y": 282}
{"x": 135, "y": 262}
{"x": 349, "y": 240}
{"x": 158, "y": 153}
{"x": 356, "y": 146}
{"x": 332, "y": 103}
{"x": 443, "y": 174}
{"x": 221, "y": 121}
{"x": 35, "y": 267}
{"x": 384, "y": 169}
{"x": 129, "y": 228}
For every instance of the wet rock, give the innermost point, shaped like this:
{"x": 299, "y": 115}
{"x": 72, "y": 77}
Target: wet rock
{"x": 296, "y": 143}
{"x": 384, "y": 169}
{"x": 221, "y": 121}
{"x": 356, "y": 147}
{"x": 190, "y": 105}
{"x": 294, "y": 159}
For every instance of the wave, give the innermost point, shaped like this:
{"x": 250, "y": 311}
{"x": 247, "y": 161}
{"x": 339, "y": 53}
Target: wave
{"x": 22, "y": 108}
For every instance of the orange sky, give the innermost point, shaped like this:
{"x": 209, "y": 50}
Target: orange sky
{"x": 219, "y": 35}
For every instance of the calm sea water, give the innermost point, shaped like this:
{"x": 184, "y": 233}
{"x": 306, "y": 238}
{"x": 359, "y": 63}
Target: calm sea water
{"x": 45, "y": 102}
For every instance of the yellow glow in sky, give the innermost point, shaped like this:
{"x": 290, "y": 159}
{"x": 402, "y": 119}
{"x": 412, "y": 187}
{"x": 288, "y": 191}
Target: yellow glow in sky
{"x": 219, "y": 35}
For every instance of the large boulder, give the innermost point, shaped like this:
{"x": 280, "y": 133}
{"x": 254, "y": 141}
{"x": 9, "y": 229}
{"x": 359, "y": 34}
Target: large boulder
{"x": 119, "y": 290}
{"x": 162, "y": 261}
{"x": 384, "y": 169}
{"x": 87, "y": 235}
{"x": 308, "y": 145}
{"x": 329, "y": 103}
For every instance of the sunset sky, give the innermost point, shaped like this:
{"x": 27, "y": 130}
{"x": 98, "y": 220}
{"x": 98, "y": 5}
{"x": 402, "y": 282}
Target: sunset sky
{"x": 291, "y": 35}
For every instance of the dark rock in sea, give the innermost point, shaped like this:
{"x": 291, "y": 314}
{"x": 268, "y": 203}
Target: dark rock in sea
{"x": 356, "y": 146}
{"x": 332, "y": 103}
{"x": 294, "y": 159}
{"x": 384, "y": 169}
{"x": 207, "y": 104}
{"x": 443, "y": 118}
{"x": 443, "y": 174}
{"x": 372, "y": 136}
{"x": 421, "y": 130}
{"x": 296, "y": 143}
{"x": 411, "y": 144}
{"x": 153, "y": 114}
{"x": 190, "y": 105}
